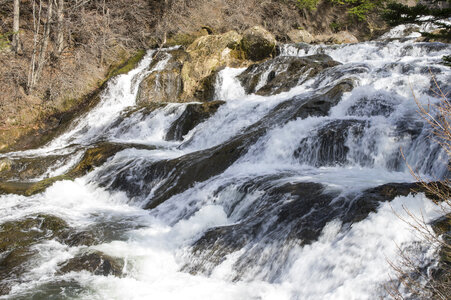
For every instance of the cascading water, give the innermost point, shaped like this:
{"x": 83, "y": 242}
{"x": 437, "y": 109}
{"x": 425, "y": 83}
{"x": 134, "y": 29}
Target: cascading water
{"x": 274, "y": 196}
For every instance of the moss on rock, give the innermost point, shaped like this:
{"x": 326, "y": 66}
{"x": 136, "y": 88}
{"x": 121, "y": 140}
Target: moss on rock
{"x": 258, "y": 43}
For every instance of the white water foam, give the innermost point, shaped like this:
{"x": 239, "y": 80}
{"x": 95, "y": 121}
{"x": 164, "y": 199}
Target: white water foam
{"x": 344, "y": 263}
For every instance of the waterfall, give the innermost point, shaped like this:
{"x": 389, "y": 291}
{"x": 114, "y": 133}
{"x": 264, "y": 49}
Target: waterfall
{"x": 272, "y": 196}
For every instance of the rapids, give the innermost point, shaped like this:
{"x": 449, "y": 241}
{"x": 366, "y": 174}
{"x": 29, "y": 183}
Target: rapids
{"x": 273, "y": 196}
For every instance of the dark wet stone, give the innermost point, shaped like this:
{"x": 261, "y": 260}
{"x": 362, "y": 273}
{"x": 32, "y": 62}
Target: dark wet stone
{"x": 327, "y": 146}
{"x": 283, "y": 73}
{"x": 16, "y": 241}
{"x": 166, "y": 178}
{"x": 369, "y": 200}
{"x": 442, "y": 272}
{"x": 285, "y": 214}
{"x": 26, "y": 168}
{"x": 206, "y": 90}
{"x": 372, "y": 106}
{"x": 71, "y": 289}
{"x": 95, "y": 262}
{"x": 81, "y": 238}
{"x": 193, "y": 115}
{"x": 92, "y": 158}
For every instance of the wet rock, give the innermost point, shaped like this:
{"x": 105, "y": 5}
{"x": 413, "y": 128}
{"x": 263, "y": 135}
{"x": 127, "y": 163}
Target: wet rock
{"x": 206, "y": 90}
{"x": 26, "y": 168}
{"x": 29, "y": 188}
{"x": 193, "y": 115}
{"x": 95, "y": 157}
{"x": 164, "y": 85}
{"x": 320, "y": 105}
{"x": 157, "y": 181}
{"x": 96, "y": 262}
{"x": 80, "y": 238}
{"x": 258, "y": 43}
{"x": 369, "y": 200}
{"x": 283, "y": 73}
{"x": 290, "y": 213}
{"x": 16, "y": 241}
{"x": 24, "y": 232}
{"x": 92, "y": 158}
{"x": 208, "y": 54}
{"x": 300, "y": 36}
{"x": 442, "y": 227}
{"x": 378, "y": 105}
{"x": 327, "y": 146}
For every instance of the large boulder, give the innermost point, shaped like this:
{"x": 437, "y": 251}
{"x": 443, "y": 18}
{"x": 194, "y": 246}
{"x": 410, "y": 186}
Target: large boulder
{"x": 258, "y": 43}
{"x": 206, "y": 55}
{"x": 300, "y": 36}
{"x": 342, "y": 37}
{"x": 163, "y": 85}
{"x": 189, "y": 75}
{"x": 283, "y": 73}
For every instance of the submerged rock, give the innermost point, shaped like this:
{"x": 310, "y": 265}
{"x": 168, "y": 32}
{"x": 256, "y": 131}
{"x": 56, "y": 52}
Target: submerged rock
{"x": 168, "y": 177}
{"x": 258, "y": 43}
{"x": 283, "y": 73}
{"x": 92, "y": 158}
{"x": 95, "y": 262}
{"x": 193, "y": 115}
{"x": 16, "y": 241}
{"x": 26, "y": 168}
{"x": 283, "y": 215}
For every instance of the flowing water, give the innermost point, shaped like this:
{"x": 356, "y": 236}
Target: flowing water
{"x": 272, "y": 197}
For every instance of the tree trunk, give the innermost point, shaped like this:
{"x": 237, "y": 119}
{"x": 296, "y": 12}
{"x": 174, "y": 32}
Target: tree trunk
{"x": 45, "y": 41}
{"x": 60, "y": 28}
{"x": 17, "y": 47}
{"x": 36, "y": 26}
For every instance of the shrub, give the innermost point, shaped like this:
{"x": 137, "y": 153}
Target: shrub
{"x": 308, "y": 4}
{"x": 4, "y": 41}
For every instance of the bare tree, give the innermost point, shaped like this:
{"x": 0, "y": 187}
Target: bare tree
{"x": 36, "y": 66}
{"x": 17, "y": 46}
{"x": 60, "y": 27}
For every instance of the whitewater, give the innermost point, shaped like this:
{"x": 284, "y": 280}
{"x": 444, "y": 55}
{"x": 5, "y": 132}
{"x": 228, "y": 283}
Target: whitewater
{"x": 262, "y": 200}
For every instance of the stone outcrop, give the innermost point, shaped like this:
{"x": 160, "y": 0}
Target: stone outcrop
{"x": 300, "y": 36}
{"x": 283, "y": 73}
{"x": 207, "y": 54}
{"x": 257, "y": 43}
{"x": 190, "y": 74}
{"x": 164, "y": 85}
{"x": 303, "y": 36}
{"x": 342, "y": 37}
